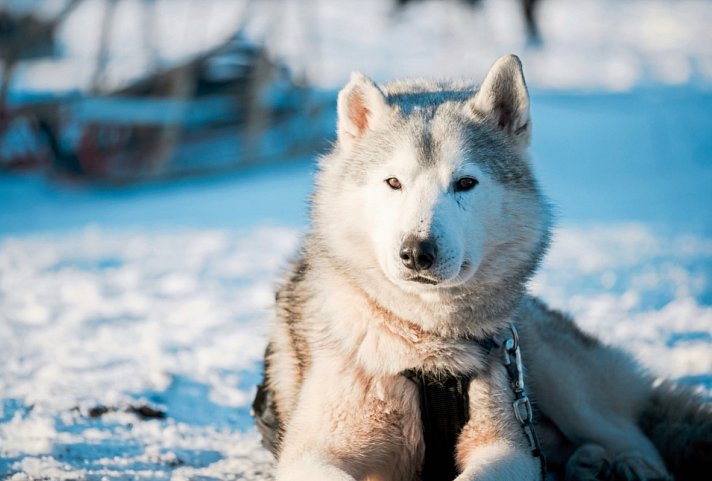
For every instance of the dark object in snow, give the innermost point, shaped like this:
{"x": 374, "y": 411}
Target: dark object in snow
{"x": 23, "y": 144}
{"x": 26, "y": 36}
{"x": 98, "y": 411}
{"x": 147, "y": 412}
{"x": 528, "y": 9}
{"x": 143, "y": 411}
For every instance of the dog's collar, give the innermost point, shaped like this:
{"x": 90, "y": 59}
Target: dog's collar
{"x": 445, "y": 407}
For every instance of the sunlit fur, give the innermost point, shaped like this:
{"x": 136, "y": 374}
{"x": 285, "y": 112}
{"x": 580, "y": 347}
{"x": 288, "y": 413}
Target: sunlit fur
{"x": 351, "y": 317}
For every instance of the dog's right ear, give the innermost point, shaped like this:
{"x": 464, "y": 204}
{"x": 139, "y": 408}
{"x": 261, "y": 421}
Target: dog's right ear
{"x": 361, "y": 106}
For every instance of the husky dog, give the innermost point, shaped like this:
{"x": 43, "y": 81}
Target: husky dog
{"x": 427, "y": 224}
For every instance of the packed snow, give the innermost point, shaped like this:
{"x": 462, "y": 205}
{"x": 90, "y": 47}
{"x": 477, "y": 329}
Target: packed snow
{"x": 133, "y": 320}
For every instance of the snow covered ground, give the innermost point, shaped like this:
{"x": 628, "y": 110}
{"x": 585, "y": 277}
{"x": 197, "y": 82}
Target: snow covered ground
{"x": 158, "y": 295}
{"x": 175, "y": 319}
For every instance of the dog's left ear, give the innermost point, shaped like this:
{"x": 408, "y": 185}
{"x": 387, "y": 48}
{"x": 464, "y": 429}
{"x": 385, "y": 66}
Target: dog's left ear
{"x": 503, "y": 100}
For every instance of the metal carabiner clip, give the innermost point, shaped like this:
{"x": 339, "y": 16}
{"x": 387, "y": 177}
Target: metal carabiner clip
{"x": 511, "y": 345}
{"x": 526, "y": 415}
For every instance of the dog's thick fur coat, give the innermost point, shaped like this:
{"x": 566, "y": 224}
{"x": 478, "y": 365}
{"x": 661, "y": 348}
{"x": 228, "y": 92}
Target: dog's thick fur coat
{"x": 441, "y": 167}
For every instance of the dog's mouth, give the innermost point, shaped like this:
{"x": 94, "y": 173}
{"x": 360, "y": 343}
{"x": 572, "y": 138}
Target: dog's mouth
{"x": 462, "y": 276}
{"x": 423, "y": 280}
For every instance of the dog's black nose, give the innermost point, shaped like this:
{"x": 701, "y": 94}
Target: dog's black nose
{"x": 418, "y": 254}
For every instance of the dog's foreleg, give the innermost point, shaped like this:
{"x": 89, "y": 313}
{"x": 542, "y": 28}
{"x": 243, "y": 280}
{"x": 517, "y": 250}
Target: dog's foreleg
{"x": 310, "y": 467}
{"x": 347, "y": 426}
{"x": 492, "y": 445}
{"x": 316, "y": 440}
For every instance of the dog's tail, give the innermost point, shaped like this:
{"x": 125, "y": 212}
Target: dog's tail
{"x": 679, "y": 422}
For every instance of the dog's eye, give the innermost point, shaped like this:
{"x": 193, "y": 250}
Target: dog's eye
{"x": 393, "y": 183}
{"x": 464, "y": 184}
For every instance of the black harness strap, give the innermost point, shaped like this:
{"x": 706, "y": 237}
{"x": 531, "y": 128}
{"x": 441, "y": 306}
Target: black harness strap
{"x": 444, "y": 411}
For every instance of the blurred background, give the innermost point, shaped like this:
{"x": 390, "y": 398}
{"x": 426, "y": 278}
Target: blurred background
{"x": 103, "y": 96}
{"x": 155, "y": 162}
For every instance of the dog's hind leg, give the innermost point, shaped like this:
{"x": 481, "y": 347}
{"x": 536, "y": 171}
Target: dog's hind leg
{"x": 594, "y": 462}
{"x": 617, "y": 449}
{"x": 632, "y": 467}
{"x": 589, "y": 463}
{"x": 592, "y": 392}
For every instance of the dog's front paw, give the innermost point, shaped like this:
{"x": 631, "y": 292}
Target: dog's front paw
{"x": 589, "y": 463}
{"x": 501, "y": 461}
{"x": 633, "y": 467}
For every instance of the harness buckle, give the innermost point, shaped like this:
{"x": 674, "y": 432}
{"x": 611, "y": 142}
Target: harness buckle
{"x": 523, "y": 410}
{"x": 511, "y": 346}
{"x": 514, "y": 338}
